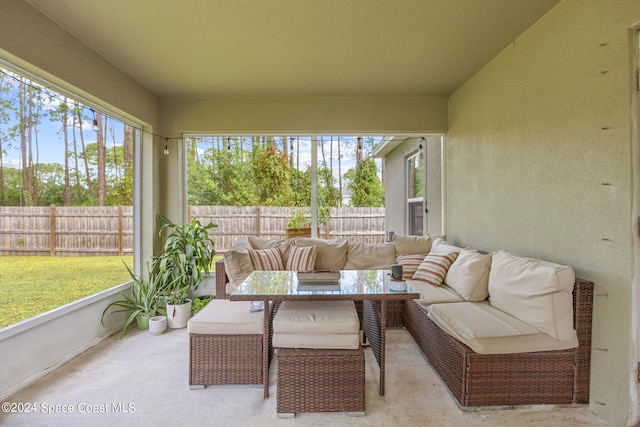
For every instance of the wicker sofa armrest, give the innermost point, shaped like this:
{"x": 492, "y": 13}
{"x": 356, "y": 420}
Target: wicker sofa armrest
{"x": 221, "y": 281}
{"x": 582, "y": 319}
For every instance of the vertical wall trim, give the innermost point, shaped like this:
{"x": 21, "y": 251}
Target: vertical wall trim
{"x": 634, "y": 56}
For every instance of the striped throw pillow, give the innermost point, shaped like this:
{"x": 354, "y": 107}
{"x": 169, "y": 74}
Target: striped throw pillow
{"x": 266, "y": 259}
{"x": 410, "y": 264}
{"x": 302, "y": 258}
{"x": 434, "y": 268}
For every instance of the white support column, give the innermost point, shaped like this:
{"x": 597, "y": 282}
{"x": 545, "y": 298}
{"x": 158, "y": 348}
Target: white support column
{"x": 314, "y": 187}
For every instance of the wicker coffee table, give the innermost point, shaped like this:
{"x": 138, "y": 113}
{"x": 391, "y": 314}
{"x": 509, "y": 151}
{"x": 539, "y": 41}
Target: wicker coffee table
{"x": 370, "y": 286}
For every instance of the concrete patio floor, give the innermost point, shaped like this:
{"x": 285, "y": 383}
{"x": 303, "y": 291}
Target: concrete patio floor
{"x": 142, "y": 380}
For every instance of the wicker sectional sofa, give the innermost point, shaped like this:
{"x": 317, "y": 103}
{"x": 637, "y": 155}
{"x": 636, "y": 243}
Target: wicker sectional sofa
{"x": 500, "y": 330}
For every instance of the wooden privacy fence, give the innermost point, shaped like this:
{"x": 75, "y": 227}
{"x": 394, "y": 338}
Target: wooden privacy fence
{"x": 94, "y": 230}
{"x": 66, "y": 230}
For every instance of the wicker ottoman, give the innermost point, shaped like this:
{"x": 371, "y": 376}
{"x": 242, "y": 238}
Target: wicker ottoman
{"x": 225, "y": 345}
{"x": 320, "y": 362}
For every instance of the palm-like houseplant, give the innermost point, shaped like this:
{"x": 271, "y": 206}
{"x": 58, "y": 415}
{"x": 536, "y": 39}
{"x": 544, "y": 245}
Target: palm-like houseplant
{"x": 186, "y": 256}
{"x": 142, "y": 301}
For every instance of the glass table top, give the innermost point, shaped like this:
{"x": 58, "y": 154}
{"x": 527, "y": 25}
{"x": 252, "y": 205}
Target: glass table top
{"x": 353, "y": 284}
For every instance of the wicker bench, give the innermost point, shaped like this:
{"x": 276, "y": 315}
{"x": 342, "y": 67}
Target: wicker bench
{"x": 226, "y": 345}
{"x": 551, "y": 377}
{"x": 321, "y": 364}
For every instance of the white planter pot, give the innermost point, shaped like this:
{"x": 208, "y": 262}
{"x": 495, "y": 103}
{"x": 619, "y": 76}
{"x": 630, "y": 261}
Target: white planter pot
{"x": 178, "y": 315}
{"x": 157, "y": 325}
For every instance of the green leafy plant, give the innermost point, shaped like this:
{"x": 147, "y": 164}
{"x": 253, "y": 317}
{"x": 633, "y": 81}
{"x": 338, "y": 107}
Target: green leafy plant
{"x": 199, "y": 303}
{"x": 142, "y": 298}
{"x": 186, "y": 256}
{"x": 299, "y": 219}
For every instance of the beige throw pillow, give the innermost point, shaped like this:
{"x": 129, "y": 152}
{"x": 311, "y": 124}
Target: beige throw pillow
{"x": 237, "y": 262}
{"x": 469, "y": 275}
{"x": 535, "y": 291}
{"x": 441, "y": 246}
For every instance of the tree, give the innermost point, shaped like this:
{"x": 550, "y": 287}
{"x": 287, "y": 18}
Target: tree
{"x": 364, "y": 185}
{"x": 271, "y": 176}
{"x": 102, "y": 154}
{"x": 7, "y": 132}
{"x": 61, "y": 113}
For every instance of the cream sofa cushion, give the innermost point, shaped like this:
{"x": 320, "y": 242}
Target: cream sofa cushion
{"x": 430, "y": 294}
{"x": 469, "y": 275}
{"x": 316, "y": 317}
{"x": 237, "y": 263}
{"x": 332, "y": 254}
{"x": 412, "y": 245}
{"x": 301, "y": 340}
{"x": 224, "y": 317}
{"x": 488, "y": 330}
{"x": 535, "y": 291}
{"x": 316, "y": 324}
{"x": 367, "y": 256}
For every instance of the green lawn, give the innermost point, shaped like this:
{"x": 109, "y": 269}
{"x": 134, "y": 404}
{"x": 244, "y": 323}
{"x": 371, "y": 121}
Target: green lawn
{"x": 30, "y": 285}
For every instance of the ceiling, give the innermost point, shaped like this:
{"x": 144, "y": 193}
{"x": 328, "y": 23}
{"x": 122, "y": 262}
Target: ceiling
{"x": 297, "y": 48}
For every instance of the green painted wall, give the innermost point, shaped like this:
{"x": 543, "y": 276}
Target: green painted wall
{"x": 539, "y": 163}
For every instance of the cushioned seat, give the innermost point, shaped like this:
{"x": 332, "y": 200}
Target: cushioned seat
{"x": 225, "y": 345}
{"x": 316, "y": 324}
{"x": 488, "y": 330}
{"x": 430, "y": 294}
{"x": 226, "y": 317}
{"x": 320, "y": 360}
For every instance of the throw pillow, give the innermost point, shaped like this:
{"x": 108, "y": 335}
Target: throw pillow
{"x": 441, "y": 246}
{"x": 469, "y": 275}
{"x": 264, "y": 243}
{"x": 302, "y": 258}
{"x": 410, "y": 264}
{"x": 237, "y": 262}
{"x": 434, "y": 267}
{"x": 266, "y": 259}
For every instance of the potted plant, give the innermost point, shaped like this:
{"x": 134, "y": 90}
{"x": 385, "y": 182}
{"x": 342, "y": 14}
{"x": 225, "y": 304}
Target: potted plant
{"x": 200, "y": 302}
{"x": 187, "y": 255}
{"x": 300, "y": 225}
{"x": 141, "y": 301}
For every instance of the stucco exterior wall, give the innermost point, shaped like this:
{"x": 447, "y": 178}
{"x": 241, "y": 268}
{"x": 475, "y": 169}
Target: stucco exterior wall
{"x": 539, "y": 163}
